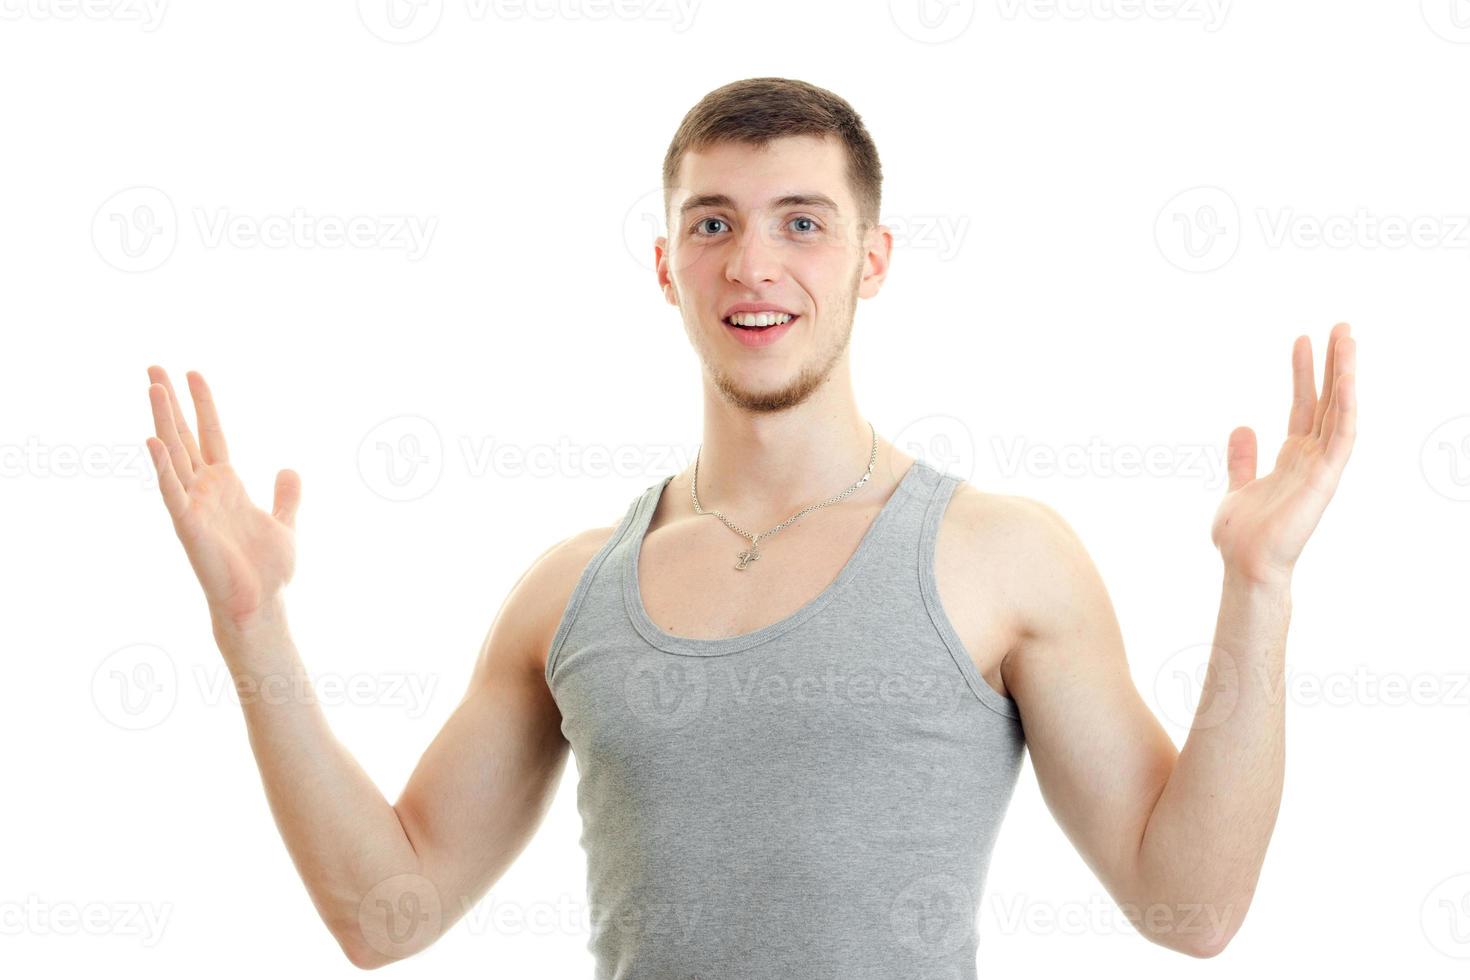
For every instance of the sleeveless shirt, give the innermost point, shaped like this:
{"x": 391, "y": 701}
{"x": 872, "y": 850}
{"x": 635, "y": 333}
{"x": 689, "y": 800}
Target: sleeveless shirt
{"x": 816, "y": 799}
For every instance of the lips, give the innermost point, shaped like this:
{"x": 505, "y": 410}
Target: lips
{"x": 760, "y": 336}
{"x": 737, "y": 326}
{"x": 755, "y": 306}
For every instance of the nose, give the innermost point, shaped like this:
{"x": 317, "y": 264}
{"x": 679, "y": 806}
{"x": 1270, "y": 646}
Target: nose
{"x": 754, "y": 257}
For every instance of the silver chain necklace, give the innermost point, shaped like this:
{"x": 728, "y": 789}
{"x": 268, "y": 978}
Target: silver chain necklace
{"x": 750, "y": 554}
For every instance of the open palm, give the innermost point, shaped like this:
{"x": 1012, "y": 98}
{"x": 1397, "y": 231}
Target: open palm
{"x": 242, "y": 555}
{"x": 1263, "y": 524}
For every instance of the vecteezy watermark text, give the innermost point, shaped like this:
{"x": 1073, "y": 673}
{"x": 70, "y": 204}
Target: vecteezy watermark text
{"x": 147, "y": 14}
{"x": 137, "y": 229}
{"x": 1097, "y": 458}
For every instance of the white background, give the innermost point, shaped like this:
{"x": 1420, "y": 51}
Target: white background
{"x": 1042, "y": 170}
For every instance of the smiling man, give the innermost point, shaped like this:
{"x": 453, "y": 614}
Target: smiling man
{"x": 797, "y": 726}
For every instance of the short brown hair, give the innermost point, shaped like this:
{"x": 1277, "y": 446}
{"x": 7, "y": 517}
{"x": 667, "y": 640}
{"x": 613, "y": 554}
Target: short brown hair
{"x": 759, "y": 110}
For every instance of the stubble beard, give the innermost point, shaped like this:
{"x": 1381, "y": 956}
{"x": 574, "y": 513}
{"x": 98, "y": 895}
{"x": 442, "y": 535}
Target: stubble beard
{"x": 811, "y": 376}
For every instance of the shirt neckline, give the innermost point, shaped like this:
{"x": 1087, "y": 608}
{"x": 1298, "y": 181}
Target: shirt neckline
{"x": 663, "y": 640}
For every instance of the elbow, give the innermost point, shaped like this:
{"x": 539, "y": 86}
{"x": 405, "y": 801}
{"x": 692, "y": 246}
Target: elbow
{"x": 400, "y": 916}
{"x": 365, "y": 963}
{"x": 369, "y": 952}
{"x": 361, "y": 955}
{"x": 1209, "y": 941}
{"x": 1198, "y": 930}
{"x": 1204, "y": 949}
{"x": 1198, "y": 947}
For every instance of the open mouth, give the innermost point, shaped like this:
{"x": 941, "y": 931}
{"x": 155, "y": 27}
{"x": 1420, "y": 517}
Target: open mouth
{"x": 756, "y": 326}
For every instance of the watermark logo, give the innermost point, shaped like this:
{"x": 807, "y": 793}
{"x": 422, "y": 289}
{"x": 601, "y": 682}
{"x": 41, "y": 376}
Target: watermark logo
{"x": 933, "y": 915}
{"x": 945, "y": 442}
{"x": 666, "y": 692}
{"x": 1198, "y": 230}
{"x": 410, "y": 692}
{"x": 135, "y": 230}
{"x": 1187, "y": 678}
{"x": 643, "y": 222}
{"x": 136, "y": 687}
{"x": 401, "y": 458}
{"x": 1444, "y": 458}
{"x": 1445, "y": 916}
{"x": 1192, "y": 695}
{"x": 673, "y": 692}
{"x": 400, "y": 21}
{"x": 1450, "y": 19}
{"x": 932, "y": 21}
{"x": 401, "y": 915}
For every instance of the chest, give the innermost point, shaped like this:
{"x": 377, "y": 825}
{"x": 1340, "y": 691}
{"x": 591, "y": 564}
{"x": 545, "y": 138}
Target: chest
{"x": 690, "y": 583}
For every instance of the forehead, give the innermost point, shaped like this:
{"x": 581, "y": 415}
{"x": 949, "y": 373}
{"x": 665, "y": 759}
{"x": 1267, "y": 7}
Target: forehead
{"x": 747, "y": 177}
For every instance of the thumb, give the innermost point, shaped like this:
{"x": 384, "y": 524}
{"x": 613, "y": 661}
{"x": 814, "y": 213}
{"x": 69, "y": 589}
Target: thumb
{"x": 1240, "y": 457}
{"x": 288, "y": 496}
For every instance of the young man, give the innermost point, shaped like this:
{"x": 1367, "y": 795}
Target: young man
{"x": 797, "y": 725}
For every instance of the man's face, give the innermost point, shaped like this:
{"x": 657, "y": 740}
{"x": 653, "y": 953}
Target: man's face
{"x": 733, "y": 240}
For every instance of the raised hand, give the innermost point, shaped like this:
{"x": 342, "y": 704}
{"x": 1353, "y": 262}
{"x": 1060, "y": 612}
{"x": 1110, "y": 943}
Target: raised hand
{"x": 242, "y": 555}
{"x": 1263, "y": 524}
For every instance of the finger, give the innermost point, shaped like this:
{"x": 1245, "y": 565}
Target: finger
{"x": 288, "y": 497}
{"x": 175, "y": 498}
{"x": 1303, "y": 388}
{"x": 211, "y": 436}
{"x": 1343, "y": 426}
{"x": 1240, "y": 457}
{"x": 1334, "y": 402}
{"x": 1329, "y": 377}
{"x": 168, "y": 434}
{"x": 1338, "y": 368}
{"x": 158, "y": 374}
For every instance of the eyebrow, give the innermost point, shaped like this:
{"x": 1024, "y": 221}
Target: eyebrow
{"x": 806, "y": 200}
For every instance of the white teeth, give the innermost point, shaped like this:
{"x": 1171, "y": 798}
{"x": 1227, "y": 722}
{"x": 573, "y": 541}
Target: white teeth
{"x": 759, "y": 319}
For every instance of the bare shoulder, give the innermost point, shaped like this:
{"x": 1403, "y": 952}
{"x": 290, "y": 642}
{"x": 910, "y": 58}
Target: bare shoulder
{"x": 994, "y": 531}
{"x": 533, "y": 609}
{"x": 1024, "y": 526}
{"x": 1007, "y": 566}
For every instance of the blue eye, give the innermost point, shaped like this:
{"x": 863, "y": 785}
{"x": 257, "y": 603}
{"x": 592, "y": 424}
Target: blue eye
{"x": 699, "y": 225}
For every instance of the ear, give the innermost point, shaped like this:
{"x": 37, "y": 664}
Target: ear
{"x": 661, "y": 267}
{"x": 877, "y": 253}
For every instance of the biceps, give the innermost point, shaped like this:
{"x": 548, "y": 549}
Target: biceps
{"x": 483, "y": 786}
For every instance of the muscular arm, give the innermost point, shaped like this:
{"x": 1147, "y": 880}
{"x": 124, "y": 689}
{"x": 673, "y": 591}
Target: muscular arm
{"x": 1176, "y": 837}
{"x": 485, "y": 782}
{"x": 388, "y": 880}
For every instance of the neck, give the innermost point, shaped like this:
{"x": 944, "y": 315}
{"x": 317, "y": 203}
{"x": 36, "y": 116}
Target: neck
{"x": 755, "y": 465}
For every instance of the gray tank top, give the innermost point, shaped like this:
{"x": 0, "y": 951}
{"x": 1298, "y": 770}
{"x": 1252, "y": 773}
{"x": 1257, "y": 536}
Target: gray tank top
{"x": 816, "y": 799}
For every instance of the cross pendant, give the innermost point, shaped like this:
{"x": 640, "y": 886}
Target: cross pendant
{"x": 746, "y": 557}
